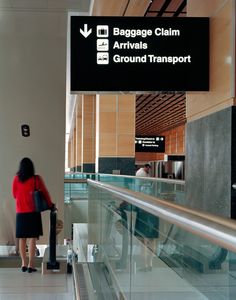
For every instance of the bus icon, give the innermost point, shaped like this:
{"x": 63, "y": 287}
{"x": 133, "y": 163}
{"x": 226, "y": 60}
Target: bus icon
{"x": 102, "y": 58}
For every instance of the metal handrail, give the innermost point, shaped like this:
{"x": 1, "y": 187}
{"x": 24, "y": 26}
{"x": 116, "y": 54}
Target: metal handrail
{"x": 76, "y": 280}
{"x": 216, "y": 229}
{"x": 75, "y": 180}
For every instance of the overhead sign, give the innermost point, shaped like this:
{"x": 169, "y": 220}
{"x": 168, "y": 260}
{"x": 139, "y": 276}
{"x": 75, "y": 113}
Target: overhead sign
{"x": 139, "y": 54}
{"x": 149, "y": 144}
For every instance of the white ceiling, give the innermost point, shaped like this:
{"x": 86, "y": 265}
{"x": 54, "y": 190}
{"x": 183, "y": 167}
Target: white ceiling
{"x": 55, "y": 5}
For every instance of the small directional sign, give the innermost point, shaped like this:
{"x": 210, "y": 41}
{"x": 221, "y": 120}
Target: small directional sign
{"x": 150, "y": 144}
{"x": 139, "y": 54}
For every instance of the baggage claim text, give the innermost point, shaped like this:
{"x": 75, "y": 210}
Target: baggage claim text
{"x": 143, "y": 33}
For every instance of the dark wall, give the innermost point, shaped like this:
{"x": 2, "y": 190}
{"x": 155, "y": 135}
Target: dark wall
{"x": 208, "y": 162}
{"x": 233, "y": 164}
{"x": 126, "y": 165}
{"x": 89, "y": 168}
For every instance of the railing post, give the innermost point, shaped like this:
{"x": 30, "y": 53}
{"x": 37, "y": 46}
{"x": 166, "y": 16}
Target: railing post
{"x": 53, "y": 263}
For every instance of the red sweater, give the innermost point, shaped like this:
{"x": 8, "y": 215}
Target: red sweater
{"x": 23, "y": 193}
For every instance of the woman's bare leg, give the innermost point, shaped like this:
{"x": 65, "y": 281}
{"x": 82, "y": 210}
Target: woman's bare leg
{"x": 17, "y": 246}
{"x": 32, "y": 247}
{"x": 22, "y": 248}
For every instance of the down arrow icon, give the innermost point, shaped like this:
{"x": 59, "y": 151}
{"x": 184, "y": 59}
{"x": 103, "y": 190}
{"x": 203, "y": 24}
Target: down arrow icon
{"x": 85, "y": 32}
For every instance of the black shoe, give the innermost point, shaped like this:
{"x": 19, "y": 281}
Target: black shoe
{"x": 30, "y": 270}
{"x": 24, "y": 269}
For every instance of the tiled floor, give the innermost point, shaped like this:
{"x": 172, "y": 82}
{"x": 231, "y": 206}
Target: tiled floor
{"x": 17, "y": 285}
{"x": 161, "y": 283}
{"x": 23, "y": 286}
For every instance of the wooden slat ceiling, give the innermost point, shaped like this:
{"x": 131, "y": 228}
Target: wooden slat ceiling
{"x": 156, "y": 113}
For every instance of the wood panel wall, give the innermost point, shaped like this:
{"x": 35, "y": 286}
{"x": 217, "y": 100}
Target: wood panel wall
{"x": 116, "y": 125}
{"x": 78, "y": 131}
{"x": 89, "y": 128}
{"x": 120, "y": 8}
{"x": 174, "y": 144}
{"x": 222, "y": 55}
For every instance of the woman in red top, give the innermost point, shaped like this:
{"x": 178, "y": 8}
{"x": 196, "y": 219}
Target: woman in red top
{"x": 28, "y": 222}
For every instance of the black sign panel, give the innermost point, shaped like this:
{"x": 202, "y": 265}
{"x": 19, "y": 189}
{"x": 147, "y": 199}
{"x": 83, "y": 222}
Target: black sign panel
{"x": 149, "y": 144}
{"x": 139, "y": 54}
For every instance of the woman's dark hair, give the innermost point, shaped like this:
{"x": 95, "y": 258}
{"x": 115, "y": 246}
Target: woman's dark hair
{"x": 26, "y": 169}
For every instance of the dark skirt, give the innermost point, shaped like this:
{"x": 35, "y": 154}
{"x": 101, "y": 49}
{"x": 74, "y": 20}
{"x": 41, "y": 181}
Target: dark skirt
{"x": 29, "y": 225}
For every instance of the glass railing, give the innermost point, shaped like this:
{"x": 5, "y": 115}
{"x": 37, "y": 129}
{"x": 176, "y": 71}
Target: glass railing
{"x": 168, "y": 189}
{"x": 76, "y": 200}
{"x": 75, "y": 185}
{"x": 147, "y": 248}
{"x": 79, "y": 175}
{"x": 162, "y": 188}
{"x": 75, "y": 190}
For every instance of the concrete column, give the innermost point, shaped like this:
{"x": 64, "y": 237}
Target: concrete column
{"x": 74, "y": 148}
{"x": 69, "y": 153}
{"x": 71, "y": 150}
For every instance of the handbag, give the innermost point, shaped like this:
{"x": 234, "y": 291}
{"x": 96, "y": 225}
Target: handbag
{"x": 39, "y": 199}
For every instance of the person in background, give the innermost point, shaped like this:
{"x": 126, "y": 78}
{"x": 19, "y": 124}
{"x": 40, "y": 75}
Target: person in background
{"x": 144, "y": 172}
{"x": 28, "y": 222}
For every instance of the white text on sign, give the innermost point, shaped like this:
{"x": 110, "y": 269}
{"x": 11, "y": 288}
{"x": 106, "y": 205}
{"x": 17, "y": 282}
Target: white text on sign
{"x": 145, "y": 32}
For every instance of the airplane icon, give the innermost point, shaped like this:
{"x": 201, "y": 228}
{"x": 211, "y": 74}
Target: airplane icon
{"x": 102, "y": 45}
